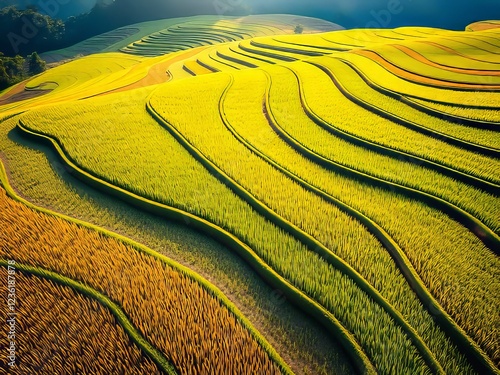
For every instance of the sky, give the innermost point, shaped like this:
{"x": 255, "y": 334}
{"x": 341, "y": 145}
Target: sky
{"x": 452, "y": 14}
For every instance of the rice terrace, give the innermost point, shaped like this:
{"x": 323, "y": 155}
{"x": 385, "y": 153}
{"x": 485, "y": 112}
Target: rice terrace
{"x": 259, "y": 194}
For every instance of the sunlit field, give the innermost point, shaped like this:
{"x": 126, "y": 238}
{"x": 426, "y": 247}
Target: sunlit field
{"x": 241, "y": 195}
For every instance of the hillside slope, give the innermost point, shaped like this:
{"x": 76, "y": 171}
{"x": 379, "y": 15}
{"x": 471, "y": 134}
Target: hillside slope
{"x": 355, "y": 172}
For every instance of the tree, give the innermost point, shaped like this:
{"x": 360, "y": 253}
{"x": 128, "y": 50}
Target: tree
{"x": 36, "y": 64}
{"x": 298, "y": 29}
{"x": 4, "y": 77}
{"x": 11, "y": 70}
{"x": 25, "y": 31}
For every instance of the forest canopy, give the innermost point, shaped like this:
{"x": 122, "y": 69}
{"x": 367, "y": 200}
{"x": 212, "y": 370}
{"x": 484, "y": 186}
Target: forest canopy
{"x": 37, "y": 27}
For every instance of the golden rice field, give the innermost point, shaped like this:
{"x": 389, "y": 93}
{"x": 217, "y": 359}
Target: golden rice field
{"x": 94, "y": 333}
{"x": 166, "y": 307}
{"x": 224, "y": 196}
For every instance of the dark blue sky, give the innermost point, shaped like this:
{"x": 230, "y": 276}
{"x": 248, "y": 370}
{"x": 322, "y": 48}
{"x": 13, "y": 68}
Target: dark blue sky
{"x": 453, "y": 14}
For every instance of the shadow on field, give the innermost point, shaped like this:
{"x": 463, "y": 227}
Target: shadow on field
{"x": 302, "y": 343}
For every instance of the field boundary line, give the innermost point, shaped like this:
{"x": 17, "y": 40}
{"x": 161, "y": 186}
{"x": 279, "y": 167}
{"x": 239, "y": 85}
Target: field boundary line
{"x": 285, "y": 49}
{"x": 468, "y": 346}
{"x": 452, "y": 85}
{"x": 410, "y": 49}
{"x": 478, "y": 182}
{"x": 123, "y": 321}
{"x": 489, "y": 125}
{"x": 470, "y": 146}
{"x": 347, "y": 340}
{"x": 234, "y": 50}
{"x": 408, "y": 99}
{"x": 300, "y": 299}
{"x": 266, "y": 54}
{"x": 164, "y": 211}
{"x": 483, "y": 232}
{"x": 300, "y": 235}
{"x": 235, "y": 60}
{"x": 329, "y": 49}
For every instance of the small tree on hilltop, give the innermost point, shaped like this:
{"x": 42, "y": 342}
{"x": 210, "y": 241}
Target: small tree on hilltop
{"x": 298, "y": 29}
{"x": 36, "y": 64}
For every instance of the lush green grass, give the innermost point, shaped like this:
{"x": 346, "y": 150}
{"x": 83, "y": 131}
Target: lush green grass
{"x": 479, "y": 203}
{"x": 390, "y": 210}
{"x": 37, "y": 179}
{"x": 376, "y": 264}
{"x": 183, "y": 84}
{"x": 277, "y": 196}
{"x": 254, "y": 128}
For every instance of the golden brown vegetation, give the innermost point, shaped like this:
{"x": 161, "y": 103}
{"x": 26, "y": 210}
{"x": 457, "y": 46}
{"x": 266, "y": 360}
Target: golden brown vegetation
{"x": 61, "y": 331}
{"x": 177, "y": 315}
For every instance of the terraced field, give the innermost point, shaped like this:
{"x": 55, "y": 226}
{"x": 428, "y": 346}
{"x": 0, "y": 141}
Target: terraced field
{"x": 330, "y": 199}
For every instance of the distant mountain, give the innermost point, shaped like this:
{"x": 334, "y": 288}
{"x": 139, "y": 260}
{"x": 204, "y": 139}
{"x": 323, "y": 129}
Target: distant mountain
{"x": 62, "y": 11}
{"x": 86, "y": 18}
{"x": 25, "y": 32}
